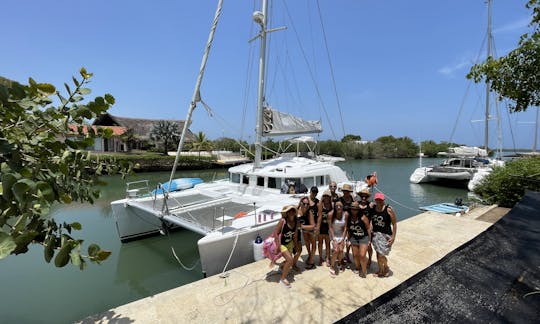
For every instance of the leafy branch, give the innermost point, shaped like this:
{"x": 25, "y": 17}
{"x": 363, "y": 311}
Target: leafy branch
{"x": 43, "y": 161}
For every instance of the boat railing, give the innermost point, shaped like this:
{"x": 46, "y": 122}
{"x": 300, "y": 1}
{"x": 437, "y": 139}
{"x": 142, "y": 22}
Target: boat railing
{"x": 137, "y": 189}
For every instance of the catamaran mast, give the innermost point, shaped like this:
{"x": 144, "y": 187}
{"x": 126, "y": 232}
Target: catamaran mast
{"x": 489, "y": 53}
{"x": 260, "y": 18}
{"x": 196, "y": 93}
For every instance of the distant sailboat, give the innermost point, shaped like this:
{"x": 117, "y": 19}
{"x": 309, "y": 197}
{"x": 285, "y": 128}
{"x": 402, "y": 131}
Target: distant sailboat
{"x": 463, "y": 163}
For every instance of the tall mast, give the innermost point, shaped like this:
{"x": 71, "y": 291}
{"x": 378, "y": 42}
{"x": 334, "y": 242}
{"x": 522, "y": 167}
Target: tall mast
{"x": 261, "y": 20}
{"x": 196, "y": 92}
{"x": 489, "y": 50}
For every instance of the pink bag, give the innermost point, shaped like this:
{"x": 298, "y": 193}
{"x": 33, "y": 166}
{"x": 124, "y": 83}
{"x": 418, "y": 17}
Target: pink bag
{"x": 270, "y": 248}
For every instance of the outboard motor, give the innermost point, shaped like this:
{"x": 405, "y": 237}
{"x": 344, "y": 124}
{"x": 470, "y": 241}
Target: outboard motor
{"x": 458, "y": 202}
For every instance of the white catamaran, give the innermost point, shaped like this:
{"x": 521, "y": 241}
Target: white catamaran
{"x": 464, "y": 165}
{"x": 231, "y": 213}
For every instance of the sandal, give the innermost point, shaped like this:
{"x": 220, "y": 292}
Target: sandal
{"x": 285, "y": 283}
{"x": 310, "y": 266}
{"x": 332, "y": 272}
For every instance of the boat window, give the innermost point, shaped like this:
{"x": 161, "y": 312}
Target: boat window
{"x": 235, "y": 177}
{"x": 245, "y": 179}
{"x": 320, "y": 181}
{"x": 308, "y": 182}
{"x": 274, "y": 183}
{"x": 260, "y": 181}
{"x": 328, "y": 180}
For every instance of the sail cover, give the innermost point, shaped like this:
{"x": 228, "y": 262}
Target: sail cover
{"x": 278, "y": 123}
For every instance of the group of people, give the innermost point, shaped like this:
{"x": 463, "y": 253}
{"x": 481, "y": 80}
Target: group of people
{"x": 335, "y": 225}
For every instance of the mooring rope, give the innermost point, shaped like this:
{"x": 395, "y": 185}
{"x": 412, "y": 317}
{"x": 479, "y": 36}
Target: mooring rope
{"x": 395, "y": 201}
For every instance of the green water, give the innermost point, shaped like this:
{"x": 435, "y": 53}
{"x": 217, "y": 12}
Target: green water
{"x": 36, "y": 292}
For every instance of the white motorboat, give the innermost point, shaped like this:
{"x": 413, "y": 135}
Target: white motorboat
{"x": 231, "y": 213}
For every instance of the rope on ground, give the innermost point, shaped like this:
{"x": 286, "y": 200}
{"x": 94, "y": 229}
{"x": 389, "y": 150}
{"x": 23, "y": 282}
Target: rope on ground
{"x": 230, "y": 255}
{"x": 395, "y": 201}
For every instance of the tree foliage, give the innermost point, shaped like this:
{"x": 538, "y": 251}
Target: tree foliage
{"x": 166, "y": 132}
{"x": 505, "y": 186}
{"x": 43, "y": 162}
{"x": 516, "y": 76}
{"x": 351, "y": 138}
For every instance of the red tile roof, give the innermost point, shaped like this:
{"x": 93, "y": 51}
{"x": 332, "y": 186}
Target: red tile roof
{"x": 117, "y": 130}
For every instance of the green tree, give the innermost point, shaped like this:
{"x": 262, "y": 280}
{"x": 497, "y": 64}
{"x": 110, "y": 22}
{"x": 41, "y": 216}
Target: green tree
{"x": 350, "y": 138}
{"x": 516, "y": 75}
{"x": 165, "y": 132}
{"x": 38, "y": 169}
{"x": 201, "y": 143}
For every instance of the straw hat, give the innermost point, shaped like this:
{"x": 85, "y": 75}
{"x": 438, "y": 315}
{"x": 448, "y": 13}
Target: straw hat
{"x": 327, "y": 193}
{"x": 355, "y": 205}
{"x": 346, "y": 187}
{"x": 364, "y": 191}
{"x": 287, "y": 208}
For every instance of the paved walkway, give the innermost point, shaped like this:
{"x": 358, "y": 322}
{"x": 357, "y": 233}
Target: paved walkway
{"x": 251, "y": 293}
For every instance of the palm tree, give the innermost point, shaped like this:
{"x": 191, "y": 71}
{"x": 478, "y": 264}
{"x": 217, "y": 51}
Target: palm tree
{"x": 166, "y": 131}
{"x": 201, "y": 143}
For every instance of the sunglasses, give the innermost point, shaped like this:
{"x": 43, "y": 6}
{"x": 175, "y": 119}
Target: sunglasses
{"x": 305, "y": 203}
{"x": 333, "y": 186}
{"x": 363, "y": 196}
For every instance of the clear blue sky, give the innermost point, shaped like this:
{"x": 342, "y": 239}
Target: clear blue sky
{"x": 399, "y": 66}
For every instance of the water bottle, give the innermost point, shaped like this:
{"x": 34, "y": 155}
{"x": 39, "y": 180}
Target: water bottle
{"x": 258, "y": 248}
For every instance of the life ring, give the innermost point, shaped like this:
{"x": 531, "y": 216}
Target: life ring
{"x": 240, "y": 214}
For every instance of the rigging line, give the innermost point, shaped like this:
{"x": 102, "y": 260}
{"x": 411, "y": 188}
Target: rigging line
{"x": 397, "y": 202}
{"x": 466, "y": 93}
{"x": 510, "y": 127}
{"x": 312, "y": 76}
{"x": 247, "y": 87}
{"x": 224, "y": 124}
{"x": 331, "y": 67}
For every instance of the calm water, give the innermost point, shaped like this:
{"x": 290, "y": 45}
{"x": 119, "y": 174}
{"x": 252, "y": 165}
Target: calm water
{"x": 36, "y": 292}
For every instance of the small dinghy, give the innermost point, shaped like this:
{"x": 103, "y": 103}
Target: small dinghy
{"x": 178, "y": 184}
{"x": 446, "y": 208}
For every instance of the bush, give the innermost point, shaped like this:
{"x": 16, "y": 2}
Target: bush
{"x": 505, "y": 186}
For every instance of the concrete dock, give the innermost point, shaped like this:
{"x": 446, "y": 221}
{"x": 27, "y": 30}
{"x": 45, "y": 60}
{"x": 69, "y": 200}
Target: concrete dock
{"x": 252, "y": 294}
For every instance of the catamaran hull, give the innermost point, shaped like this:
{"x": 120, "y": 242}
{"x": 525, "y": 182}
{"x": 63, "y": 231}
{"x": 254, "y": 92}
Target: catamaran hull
{"x": 216, "y": 247}
{"x": 428, "y": 174}
{"x": 134, "y": 223}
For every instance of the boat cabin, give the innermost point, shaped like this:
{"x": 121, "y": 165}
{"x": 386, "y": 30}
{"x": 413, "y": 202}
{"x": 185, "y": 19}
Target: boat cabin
{"x": 303, "y": 174}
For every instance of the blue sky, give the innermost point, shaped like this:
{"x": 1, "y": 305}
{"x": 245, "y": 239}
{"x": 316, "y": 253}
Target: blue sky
{"x": 399, "y": 66}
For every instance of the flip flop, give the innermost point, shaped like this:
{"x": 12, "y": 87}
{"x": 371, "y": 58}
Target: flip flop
{"x": 332, "y": 272}
{"x": 285, "y": 283}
